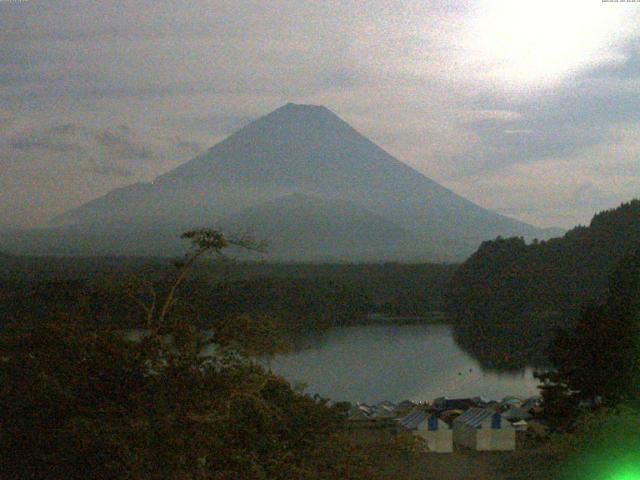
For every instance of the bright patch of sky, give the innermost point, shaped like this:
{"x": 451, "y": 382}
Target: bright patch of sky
{"x": 538, "y": 43}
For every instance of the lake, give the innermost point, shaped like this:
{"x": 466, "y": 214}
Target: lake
{"x": 395, "y": 362}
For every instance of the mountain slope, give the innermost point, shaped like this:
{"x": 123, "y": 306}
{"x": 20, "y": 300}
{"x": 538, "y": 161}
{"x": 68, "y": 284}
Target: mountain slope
{"x": 307, "y": 150}
{"x": 300, "y": 227}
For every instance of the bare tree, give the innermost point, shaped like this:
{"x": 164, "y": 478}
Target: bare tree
{"x": 203, "y": 242}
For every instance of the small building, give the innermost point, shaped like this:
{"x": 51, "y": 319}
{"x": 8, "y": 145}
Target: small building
{"x": 480, "y": 402}
{"x": 521, "y": 426}
{"x": 511, "y": 402}
{"x": 383, "y": 411}
{"x": 516, "y": 413}
{"x": 357, "y": 413}
{"x": 405, "y": 407}
{"x": 387, "y": 404}
{"x": 364, "y": 407}
{"x": 443, "y": 403}
{"x": 482, "y": 429}
{"x": 534, "y": 406}
{"x": 436, "y": 433}
{"x": 532, "y": 402}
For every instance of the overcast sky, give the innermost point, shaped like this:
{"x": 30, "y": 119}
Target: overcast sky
{"x": 527, "y": 107}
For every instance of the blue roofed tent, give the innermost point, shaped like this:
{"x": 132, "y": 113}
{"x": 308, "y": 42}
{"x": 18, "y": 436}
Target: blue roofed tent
{"x": 436, "y": 433}
{"x": 483, "y": 429}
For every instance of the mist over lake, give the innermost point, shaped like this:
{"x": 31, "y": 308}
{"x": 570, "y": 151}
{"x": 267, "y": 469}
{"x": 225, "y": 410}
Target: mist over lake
{"x": 395, "y": 362}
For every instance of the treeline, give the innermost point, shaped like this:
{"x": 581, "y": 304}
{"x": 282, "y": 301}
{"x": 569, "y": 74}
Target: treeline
{"x": 297, "y": 297}
{"x": 508, "y": 297}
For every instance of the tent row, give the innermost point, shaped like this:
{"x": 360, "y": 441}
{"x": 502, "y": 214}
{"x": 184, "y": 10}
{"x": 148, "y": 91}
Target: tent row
{"x": 477, "y": 429}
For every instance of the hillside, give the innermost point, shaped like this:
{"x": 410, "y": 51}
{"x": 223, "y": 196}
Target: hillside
{"x": 298, "y": 154}
{"x": 303, "y": 227}
{"x": 508, "y": 296}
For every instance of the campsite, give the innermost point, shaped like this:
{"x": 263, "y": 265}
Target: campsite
{"x": 523, "y": 452}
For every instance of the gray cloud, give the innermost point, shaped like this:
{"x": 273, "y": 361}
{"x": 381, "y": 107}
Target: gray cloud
{"x": 184, "y": 75}
{"x": 106, "y": 152}
{"x": 115, "y": 143}
{"x": 343, "y": 78}
{"x": 119, "y": 142}
{"x": 572, "y": 118}
{"x": 54, "y": 139}
{"x": 629, "y": 68}
{"x": 214, "y": 124}
{"x": 532, "y": 139}
{"x": 48, "y": 170}
{"x": 109, "y": 168}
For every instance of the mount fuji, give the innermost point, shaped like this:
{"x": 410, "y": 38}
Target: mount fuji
{"x": 299, "y": 177}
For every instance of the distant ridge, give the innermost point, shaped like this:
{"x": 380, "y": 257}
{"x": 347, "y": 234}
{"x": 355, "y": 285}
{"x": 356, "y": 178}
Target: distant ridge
{"x": 297, "y": 153}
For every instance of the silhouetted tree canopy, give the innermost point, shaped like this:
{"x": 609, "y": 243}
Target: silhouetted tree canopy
{"x": 597, "y": 361}
{"x": 508, "y": 297}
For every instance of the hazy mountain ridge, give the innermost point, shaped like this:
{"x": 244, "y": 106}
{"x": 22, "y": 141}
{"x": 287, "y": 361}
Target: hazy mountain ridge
{"x": 304, "y": 227}
{"x": 306, "y": 151}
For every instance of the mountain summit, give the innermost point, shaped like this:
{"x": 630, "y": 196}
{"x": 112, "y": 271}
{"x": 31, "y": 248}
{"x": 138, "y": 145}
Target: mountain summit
{"x": 309, "y": 181}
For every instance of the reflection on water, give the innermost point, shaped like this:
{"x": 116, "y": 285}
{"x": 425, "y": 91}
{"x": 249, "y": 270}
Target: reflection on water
{"x": 395, "y": 362}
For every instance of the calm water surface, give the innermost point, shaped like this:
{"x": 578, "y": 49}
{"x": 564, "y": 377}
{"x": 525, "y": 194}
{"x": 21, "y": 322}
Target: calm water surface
{"x": 395, "y": 362}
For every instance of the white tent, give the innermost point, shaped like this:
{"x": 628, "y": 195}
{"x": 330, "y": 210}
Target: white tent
{"x": 483, "y": 429}
{"x": 436, "y": 433}
{"x": 520, "y": 425}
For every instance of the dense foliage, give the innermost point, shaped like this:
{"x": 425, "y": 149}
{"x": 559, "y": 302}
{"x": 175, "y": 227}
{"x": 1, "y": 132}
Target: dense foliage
{"x": 82, "y": 401}
{"x": 295, "y": 297}
{"x": 78, "y": 403}
{"x": 508, "y": 297}
{"x": 597, "y": 361}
